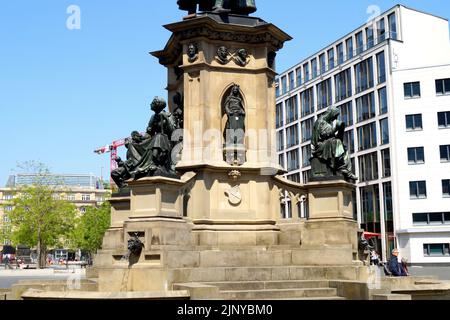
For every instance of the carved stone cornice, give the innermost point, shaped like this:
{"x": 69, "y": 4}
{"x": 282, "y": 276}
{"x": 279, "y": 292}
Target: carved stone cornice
{"x": 205, "y": 26}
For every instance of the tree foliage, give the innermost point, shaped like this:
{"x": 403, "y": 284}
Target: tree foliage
{"x": 91, "y": 227}
{"x": 39, "y": 218}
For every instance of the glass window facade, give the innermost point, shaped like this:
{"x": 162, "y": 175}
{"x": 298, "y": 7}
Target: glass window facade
{"x": 292, "y": 136}
{"x": 279, "y": 115}
{"x": 323, "y": 63}
{"x": 364, "y": 75}
{"x": 445, "y": 153}
{"x": 291, "y": 78}
{"x": 386, "y": 162}
{"x": 416, "y": 155}
{"x": 307, "y": 98}
{"x": 446, "y": 188}
{"x": 306, "y": 155}
{"x": 359, "y": 43}
{"x": 393, "y": 26}
{"x": 284, "y": 88}
{"x": 330, "y": 59}
{"x": 381, "y": 31}
{"x": 349, "y": 47}
{"x": 324, "y": 94}
{"x": 381, "y": 67}
{"x": 349, "y": 142}
{"x": 365, "y": 107}
{"x": 307, "y": 127}
{"x": 369, "y": 37}
{"x": 346, "y": 114}
{"x": 444, "y": 120}
{"x": 414, "y": 122}
{"x": 382, "y": 100}
{"x": 306, "y": 72}
{"x": 443, "y": 86}
{"x": 436, "y": 250}
{"x": 291, "y": 109}
{"x": 418, "y": 189}
{"x": 368, "y": 167}
{"x": 280, "y": 140}
{"x": 293, "y": 162}
{"x": 340, "y": 53}
{"x": 384, "y": 131}
{"x": 314, "y": 68}
{"x": 298, "y": 72}
{"x": 343, "y": 85}
{"x": 411, "y": 90}
{"x": 367, "y": 136}
{"x": 370, "y": 208}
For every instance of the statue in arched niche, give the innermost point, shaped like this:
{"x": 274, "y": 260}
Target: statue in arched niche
{"x": 234, "y": 133}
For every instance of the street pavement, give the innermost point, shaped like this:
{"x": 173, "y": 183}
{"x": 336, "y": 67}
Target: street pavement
{"x": 10, "y": 277}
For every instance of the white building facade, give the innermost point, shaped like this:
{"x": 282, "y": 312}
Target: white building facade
{"x": 391, "y": 80}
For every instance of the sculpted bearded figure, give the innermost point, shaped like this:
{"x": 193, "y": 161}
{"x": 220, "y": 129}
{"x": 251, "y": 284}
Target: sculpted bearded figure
{"x": 241, "y": 7}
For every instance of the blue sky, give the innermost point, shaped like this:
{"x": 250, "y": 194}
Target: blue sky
{"x": 63, "y": 93}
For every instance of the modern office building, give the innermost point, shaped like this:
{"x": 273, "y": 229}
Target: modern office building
{"x": 83, "y": 190}
{"x": 391, "y": 80}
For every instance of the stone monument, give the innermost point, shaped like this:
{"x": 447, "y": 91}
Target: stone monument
{"x": 205, "y": 186}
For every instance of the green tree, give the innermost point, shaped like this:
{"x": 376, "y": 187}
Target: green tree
{"x": 39, "y": 218}
{"x": 91, "y": 227}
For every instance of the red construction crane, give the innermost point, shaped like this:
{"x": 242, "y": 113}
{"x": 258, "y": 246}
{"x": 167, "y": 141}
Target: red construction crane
{"x": 112, "y": 149}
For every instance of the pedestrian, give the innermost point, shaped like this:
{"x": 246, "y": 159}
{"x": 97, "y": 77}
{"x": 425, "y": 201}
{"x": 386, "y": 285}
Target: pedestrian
{"x": 394, "y": 267}
{"x": 374, "y": 258}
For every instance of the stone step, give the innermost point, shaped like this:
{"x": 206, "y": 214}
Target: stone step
{"x": 301, "y": 256}
{"x": 268, "y": 285}
{"x": 278, "y": 293}
{"x": 235, "y": 274}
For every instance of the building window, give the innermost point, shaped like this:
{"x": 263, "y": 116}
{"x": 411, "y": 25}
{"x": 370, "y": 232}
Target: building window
{"x": 314, "y": 68}
{"x": 365, "y": 107}
{"x": 306, "y": 156}
{"x": 307, "y": 98}
{"x": 386, "y": 158}
{"x": 367, "y": 136}
{"x": 370, "y": 208}
{"x": 381, "y": 31}
{"x": 444, "y": 120}
{"x": 364, "y": 75}
{"x": 349, "y": 45}
{"x": 6, "y": 219}
{"x": 281, "y": 160}
{"x": 393, "y": 26}
{"x": 279, "y": 115}
{"x": 86, "y": 197}
{"x": 388, "y": 208}
{"x": 381, "y": 68}
{"x": 280, "y": 140}
{"x": 306, "y": 74}
{"x": 369, "y": 37}
{"x": 99, "y": 198}
{"x": 433, "y": 218}
{"x": 346, "y": 114}
{"x": 330, "y": 59}
{"x": 418, "y": 189}
{"x": 446, "y": 188}
{"x": 382, "y": 99}
{"x": 411, "y": 90}
{"x": 443, "y": 86}
{"x": 294, "y": 177}
{"x": 322, "y": 63}
{"x": 292, "y": 136}
{"x": 7, "y": 196}
{"x": 445, "y": 153}
{"x": 340, "y": 53}
{"x": 349, "y": 141}
{"x": 293, "y": 162}
{"x": 284, "y": 88}
{"x": 305, "y": 176}
{"x": 414, "y": 122}
{"x": 416, "y": 155}
{"x": 436, "y": 250}
{"x": 359, "y": 43}
{"x": 343, "y": 85}
{"x": 368, "y": 167}
{"x": 384, "y": 131}
{"x": 71, "y": 197}
{"x": 8, "y": 208}
{"x": 291, "y": 80}
{"x": 277, "y": 88}
{"x": 291, "y": 109}
{"x": 298, "y": 72}
{"x": 307, "y": 127}
{"x": 324, "y": 94}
